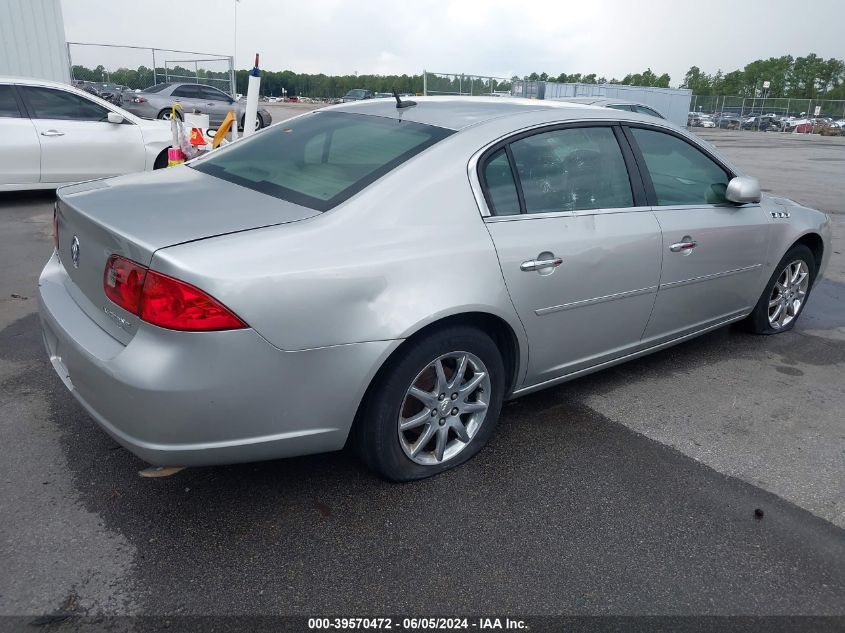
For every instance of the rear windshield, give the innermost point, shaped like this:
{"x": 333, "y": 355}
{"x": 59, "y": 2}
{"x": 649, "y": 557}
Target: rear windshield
{"x": 320, "y": 160}
{"x": 156, "y": 88}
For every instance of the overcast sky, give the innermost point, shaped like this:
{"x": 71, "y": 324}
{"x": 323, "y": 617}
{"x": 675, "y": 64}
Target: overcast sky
{"x": 484, "y": 37}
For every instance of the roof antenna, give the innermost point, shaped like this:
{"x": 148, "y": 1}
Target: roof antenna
{"x": 402, "y": 104}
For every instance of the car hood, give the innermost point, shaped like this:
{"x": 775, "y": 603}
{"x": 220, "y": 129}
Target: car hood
{"x": 144, "y": 212}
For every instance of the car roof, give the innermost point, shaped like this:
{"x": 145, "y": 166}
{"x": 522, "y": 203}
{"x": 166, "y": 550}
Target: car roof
{"x": 456, "y": 113}
{"x": 600, "y": 101}
{"x": 32, "y": 81}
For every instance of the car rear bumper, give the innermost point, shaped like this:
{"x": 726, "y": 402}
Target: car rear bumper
{"x": 190, "y": 399}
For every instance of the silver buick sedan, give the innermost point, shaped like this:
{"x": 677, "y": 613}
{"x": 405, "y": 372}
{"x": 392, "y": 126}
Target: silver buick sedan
{"x": 386, "y": 274}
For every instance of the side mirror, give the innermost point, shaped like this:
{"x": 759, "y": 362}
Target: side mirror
{"x": 743, "y": 189}
{"x": 114, "y": 117}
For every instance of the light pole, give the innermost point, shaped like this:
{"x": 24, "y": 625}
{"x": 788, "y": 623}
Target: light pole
{"x": 766, "y": 85}
{"x": 235, "y": 43}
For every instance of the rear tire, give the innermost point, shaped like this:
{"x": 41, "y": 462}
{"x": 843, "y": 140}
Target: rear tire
{"x": 451, "y": 409}
{"x": 165, "y": 114}
{"x": 786, "y": 293}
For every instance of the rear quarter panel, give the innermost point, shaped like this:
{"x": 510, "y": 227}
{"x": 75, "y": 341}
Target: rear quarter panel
{"x": 409, "y": 250}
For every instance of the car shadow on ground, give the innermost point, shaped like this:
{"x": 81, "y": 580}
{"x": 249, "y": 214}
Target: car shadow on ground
{"x": 564, "y": 511}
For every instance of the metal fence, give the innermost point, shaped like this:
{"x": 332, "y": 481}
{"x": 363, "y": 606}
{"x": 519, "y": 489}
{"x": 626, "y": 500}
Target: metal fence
{"x": 760, "y": 106}
{"x": 465, "y": 85}
{"x": 141, "y": 67}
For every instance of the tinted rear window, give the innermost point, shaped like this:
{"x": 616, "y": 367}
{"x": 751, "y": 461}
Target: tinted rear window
{"x": 156, "y": 88}
{"x": 320, "y": 160}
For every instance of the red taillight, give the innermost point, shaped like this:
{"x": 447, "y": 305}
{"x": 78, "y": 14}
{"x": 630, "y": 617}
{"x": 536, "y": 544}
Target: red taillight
{"x": 170, "y": 303}
{"x": 139, "y": 100}
{"x": 164, "y": 301}
{"x": 123, "y": 282}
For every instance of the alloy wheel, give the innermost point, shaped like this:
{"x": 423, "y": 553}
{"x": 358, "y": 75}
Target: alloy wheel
{"x": 788, "y": 294}
{"x": 444, "y": 408}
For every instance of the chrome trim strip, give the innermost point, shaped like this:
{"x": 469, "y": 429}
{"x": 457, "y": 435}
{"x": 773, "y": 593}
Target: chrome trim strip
{"x": 694, "y": 280}
{"x": 580, "y": 213}
{"x": 595, "y": 300}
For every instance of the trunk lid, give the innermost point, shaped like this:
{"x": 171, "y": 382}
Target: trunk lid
{"x": 135, "y": 215}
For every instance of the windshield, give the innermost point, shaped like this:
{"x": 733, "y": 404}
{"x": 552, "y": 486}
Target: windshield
{"x": 322, "y": 159}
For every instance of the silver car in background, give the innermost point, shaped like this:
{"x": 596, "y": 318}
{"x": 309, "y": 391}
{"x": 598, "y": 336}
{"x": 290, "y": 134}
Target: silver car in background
{"x": 156, "y": 102}
{"x": 617, "y": 104}
{"x": 389, "y": 273}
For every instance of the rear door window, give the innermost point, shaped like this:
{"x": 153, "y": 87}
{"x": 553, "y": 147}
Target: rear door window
{"x": 572, "y": 169}
{"x": 499, "y": 183}
{"x": 321, "y": 159}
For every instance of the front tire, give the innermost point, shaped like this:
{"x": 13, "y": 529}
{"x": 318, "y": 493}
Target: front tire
{"x": 433, "y": 407}
{"x": 259, "y": 122}
{"x": 786, "y": 294}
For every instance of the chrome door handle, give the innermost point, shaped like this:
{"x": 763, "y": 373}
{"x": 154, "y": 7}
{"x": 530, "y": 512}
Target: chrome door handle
{"x": 685, "y": 245}
{"x": 539, "y": 264}
{"x": 52, "y": 133}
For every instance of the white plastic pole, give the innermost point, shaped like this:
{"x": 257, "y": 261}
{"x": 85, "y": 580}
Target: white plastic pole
{"x": 252, "y": 99}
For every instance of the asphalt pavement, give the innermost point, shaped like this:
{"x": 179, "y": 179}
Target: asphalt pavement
{"x": 705, "y": 479}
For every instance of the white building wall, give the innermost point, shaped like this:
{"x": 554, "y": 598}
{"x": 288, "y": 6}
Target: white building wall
{"x": 672, "y": 103}
{"x": 32, "y": 40}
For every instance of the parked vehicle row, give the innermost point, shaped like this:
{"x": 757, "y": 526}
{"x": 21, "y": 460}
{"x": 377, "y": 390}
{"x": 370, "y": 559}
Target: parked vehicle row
{"x": 768, "y": 123}
{"x": 696, "y": 119}
{"x": 106, "y": 91}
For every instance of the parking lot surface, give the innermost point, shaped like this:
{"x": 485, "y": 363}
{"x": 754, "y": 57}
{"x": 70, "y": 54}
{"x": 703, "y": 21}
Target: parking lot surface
{"x": 631, "y": 491}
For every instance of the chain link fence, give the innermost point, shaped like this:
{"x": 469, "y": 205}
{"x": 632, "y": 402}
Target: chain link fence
{"x": 768, "y": 113}
{"x": 139, "y": 67}
{"x": 465, "y": 85}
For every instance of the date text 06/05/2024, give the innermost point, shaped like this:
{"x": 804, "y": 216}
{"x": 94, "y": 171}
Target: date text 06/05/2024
{"x": 417, "y": 624}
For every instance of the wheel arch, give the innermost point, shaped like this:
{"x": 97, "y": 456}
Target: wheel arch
{"x": 815, "y": 243}
{"x": 514, "y": 348}
{"x": 502, "y": 333}
{"x": 160, "y": 159}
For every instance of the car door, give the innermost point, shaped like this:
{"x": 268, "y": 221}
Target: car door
{"x": 20, "y": 152}
{"x": 190, "y": 97}
{"x": 217, "y": 104}
{"x": 578, "y": 248}
{"x": 77, "y": 140}
{"x": 713, "y": 250}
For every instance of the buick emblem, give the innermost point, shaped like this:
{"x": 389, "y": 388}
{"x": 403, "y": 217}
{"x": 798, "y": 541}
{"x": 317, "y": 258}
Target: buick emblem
{"x": 74, "y": 251}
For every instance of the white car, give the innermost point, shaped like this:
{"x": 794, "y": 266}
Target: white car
{"x": 52, "y": 133}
